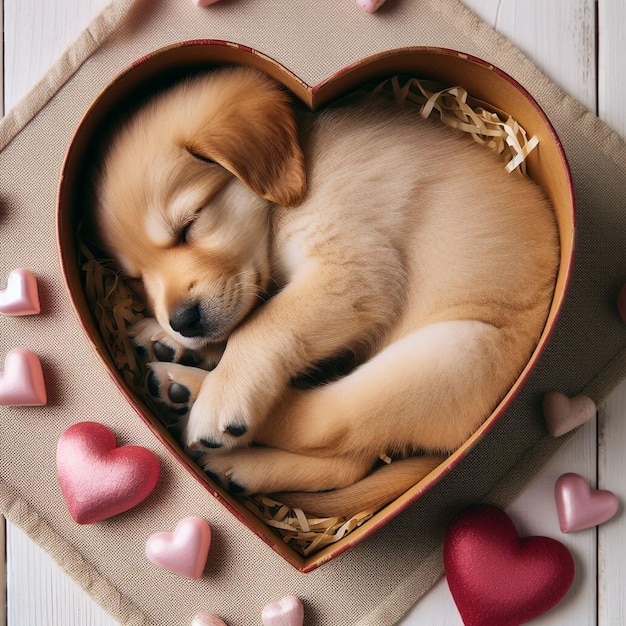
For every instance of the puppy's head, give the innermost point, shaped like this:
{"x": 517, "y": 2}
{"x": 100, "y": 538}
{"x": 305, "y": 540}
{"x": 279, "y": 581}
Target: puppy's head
{"x": 184, "y": 196}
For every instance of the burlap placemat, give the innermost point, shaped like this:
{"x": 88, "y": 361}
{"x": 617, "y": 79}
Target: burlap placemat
{"x": 377, "y": 581}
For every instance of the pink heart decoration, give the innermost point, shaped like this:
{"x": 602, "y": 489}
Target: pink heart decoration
{"x": 21, "y": 296}
{"x": 207, "y": 619}
{"x": 563, "y": 414}
{"x": 185, "y": 551}
{"x": 288, "y": 611}
{"x": 99, "y": 480}
{"x": 580, "y": 507}
{"x": 498, "y": 579}
{"x": 371, "y": 6}
{"x": 22, "y": 382}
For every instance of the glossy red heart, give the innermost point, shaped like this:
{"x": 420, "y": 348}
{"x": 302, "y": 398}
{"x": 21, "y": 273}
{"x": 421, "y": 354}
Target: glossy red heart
{"x": 98, "y": 479}
{"x": 498, "y": 579}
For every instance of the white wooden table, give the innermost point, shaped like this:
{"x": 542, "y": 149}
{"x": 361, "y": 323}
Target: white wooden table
{"x": 580, "y": 44}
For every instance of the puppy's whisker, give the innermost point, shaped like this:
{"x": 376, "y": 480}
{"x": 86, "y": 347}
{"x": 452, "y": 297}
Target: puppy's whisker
{"x": 248, "y": 289}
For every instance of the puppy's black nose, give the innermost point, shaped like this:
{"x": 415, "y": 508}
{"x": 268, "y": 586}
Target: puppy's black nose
{"x": 187, "y": 321}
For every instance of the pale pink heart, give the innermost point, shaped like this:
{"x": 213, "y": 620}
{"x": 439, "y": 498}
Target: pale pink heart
{"x": 22, "y": 382}
{"x": 370, "y": 6}
{"x": 99, "y": 480}
{"x": 288, "y": 611}
{"x": 563, "y": 414}
{"x": 185, "y": 551}
{"x": 21, "y": 295}
{"x": 207, "y": 619}
{"x": 579, "y": 506}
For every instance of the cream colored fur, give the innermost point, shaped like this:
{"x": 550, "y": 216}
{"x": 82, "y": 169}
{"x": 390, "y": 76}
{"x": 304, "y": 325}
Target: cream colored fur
{"x": 374, "y": 231}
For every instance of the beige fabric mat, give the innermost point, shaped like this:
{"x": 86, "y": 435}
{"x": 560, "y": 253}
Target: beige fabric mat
{"x": 376, "y": 582}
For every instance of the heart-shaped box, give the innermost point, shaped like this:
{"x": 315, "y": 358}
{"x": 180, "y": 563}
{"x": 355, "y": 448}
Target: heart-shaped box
{"x": 547, "y": 165}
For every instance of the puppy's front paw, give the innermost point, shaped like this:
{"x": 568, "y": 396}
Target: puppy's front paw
{"x": 225, "y": 414}
{"x": 151, "y": 340}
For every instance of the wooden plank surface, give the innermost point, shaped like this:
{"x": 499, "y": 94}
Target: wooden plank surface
{"x": 560, "y": 36}
{"x": 612, "y": 63}
{"x": 40, "y": 594}
{"x": 611, "y": 536}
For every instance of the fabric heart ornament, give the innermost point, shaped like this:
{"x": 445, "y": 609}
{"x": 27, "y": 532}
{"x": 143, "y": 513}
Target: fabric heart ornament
{"x": 185, "y": 551}
{"x": 498, "y": 579}
{"x": 99, "y": 480}
{"x": 21, "y": 296}
{"x": 563, "y": 414}
{"x": 288, "y": 611}
{"x": 580, "y": 507}
{"x": 22, "y": 382}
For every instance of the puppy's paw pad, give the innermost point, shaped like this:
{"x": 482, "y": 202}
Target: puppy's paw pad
{"x": 174, "y": 386}
{"x": 178, "y": 394}
{"x": 163, "y": 352}
{"x": 237, "y": 430}
{"x": 153, "y": 343}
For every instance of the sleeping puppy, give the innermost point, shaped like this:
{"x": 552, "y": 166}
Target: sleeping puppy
{"x": 283, "y": 241}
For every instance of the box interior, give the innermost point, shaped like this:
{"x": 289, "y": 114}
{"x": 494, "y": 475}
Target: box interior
{"x": 546, "y": 165}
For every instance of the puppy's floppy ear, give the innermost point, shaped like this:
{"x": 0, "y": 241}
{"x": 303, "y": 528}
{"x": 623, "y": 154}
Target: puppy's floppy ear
{"x": 252, "y": 132}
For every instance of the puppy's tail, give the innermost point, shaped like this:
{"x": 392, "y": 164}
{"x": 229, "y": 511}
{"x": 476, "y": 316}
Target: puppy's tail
{"x": 369, "y": 494}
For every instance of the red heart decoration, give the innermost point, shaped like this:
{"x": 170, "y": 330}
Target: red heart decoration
{"x": 98, "y": 479}
{"x": 498, "y": 579}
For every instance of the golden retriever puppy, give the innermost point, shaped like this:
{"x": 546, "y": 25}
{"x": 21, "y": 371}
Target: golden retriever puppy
{"x": 283, "y": 239}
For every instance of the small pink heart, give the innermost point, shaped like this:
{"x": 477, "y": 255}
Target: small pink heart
{"x": 185, "y": 551}
{"x": 563, "y": 414}
{"x": 22, "y": 382}
{"x": 580, "y": 507}
{"x": 98, "y": 479}
{"x": 288, "y": 611}
{"x": 207, "y": 619}
{"x": 21, "y": 296}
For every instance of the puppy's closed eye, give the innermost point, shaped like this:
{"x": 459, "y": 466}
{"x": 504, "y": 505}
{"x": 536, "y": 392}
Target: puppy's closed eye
{"x": 202, "y": 157}
{"x": 185, "y": 232}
